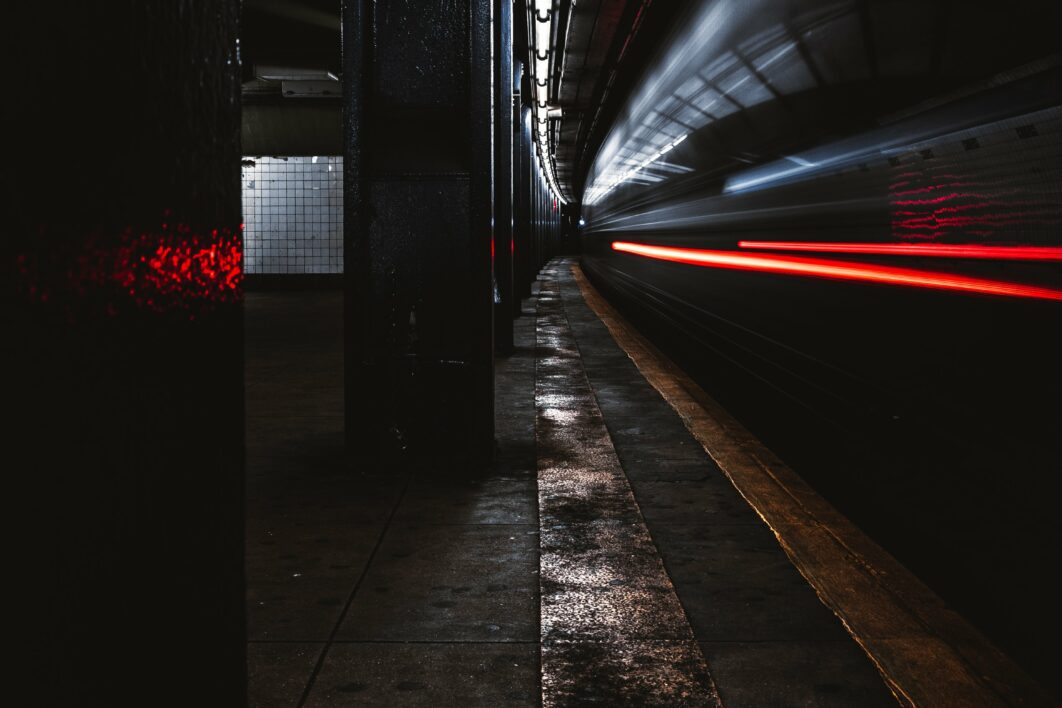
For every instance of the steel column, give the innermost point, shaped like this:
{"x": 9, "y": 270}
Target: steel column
{"x": 503, "y": 176}
{"x": 417, "y": 124}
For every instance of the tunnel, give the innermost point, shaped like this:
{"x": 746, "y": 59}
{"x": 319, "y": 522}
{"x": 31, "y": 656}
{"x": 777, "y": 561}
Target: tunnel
{"x": 534, "y": 353}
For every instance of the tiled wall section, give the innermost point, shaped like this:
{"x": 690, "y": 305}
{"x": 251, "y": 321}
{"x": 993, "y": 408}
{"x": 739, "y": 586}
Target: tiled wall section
{"x": 293, "y": 214}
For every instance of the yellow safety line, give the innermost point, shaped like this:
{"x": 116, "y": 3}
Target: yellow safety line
{"x": 927, "y": 654}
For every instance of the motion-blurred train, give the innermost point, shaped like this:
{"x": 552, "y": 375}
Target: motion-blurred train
{"x": 845, "y": 220}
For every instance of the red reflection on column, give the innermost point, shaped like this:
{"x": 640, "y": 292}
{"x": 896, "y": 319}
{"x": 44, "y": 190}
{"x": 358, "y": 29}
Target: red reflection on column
{"x": 178, "y": 267}
{"x": 172, "y": 268}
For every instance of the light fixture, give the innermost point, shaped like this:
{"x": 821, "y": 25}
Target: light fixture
{"x": 543, "y": 34}
{"x": 541, "y": 70}
{"x": 540, "y": 38}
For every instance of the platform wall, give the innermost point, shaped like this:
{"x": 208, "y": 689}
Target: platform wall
{"x": 293, "y": 215}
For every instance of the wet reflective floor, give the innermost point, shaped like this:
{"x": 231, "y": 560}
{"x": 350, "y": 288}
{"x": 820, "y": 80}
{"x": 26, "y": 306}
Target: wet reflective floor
{"x": 604, "y": 559}
{"x": 758, "y": 629}
{"x": 613, "y": 630}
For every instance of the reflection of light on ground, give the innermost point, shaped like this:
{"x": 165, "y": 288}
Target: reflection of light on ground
{"x": 561, "y": 416}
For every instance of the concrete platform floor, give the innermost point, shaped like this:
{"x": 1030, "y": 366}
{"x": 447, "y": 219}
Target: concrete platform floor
{"x": 380, "y": 590}
{"x": 416, "y": 590}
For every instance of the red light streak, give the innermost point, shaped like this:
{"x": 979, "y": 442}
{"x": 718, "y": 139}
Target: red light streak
{"x": 1004, "y": 253}
{"x": 951, "y": 196}
{"x": 926, "y": 190}
{"x": 838, "y": 270}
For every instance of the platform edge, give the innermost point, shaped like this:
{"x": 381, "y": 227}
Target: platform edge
{"x": 932, "y": 656}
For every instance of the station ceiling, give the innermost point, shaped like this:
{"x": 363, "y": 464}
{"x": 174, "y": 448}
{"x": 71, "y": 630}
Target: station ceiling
{"x": 602, "y": 43}
{"x": 296, "y": 33}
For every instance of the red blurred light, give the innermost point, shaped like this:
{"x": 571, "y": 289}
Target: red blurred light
{"x": 170, "y": 268}
{"x": 838, "y": 270}
{"x": 1005, "y": 253}
{"x": 179, "y": 267}
{"x": 930, "y": 205}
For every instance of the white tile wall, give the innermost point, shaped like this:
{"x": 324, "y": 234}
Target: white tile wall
{"x": 293, "y": 214}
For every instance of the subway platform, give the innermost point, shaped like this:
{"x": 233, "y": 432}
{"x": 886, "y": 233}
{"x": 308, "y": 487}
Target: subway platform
{"x": 630, "y": 545}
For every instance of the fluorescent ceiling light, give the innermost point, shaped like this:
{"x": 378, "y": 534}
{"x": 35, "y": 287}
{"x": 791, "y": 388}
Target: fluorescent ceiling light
{"x": 543, "y": 35}
{"x": 541, "y": 70}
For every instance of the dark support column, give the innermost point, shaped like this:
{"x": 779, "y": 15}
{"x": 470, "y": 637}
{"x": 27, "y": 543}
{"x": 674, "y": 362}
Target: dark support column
{"x": 534, "y": 203}
{"x": 522, "y": 206}
{"x": 123, "y": 354}
{"x": 503, "y": 176}
{"x": 417, "y": 92}
{"x": 539, "y": 216}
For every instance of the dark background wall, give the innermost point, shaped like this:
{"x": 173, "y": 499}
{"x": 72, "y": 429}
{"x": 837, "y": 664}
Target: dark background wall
{"x": 292, "y": 127}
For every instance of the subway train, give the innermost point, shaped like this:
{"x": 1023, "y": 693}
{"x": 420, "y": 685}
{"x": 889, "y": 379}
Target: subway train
{"x": 844, "y": 220}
